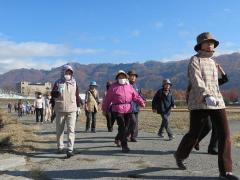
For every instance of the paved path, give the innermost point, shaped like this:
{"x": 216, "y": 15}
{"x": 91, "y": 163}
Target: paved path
{"x": 98, "y": 158}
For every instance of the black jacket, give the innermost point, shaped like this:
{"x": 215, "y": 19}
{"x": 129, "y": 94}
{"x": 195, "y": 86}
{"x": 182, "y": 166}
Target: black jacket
{"x": 162, "y": 102}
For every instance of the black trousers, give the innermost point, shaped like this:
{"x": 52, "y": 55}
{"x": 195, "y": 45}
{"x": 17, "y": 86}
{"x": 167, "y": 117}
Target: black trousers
{"x": 207, "y": 127}
{"x": 39, "y": 112}
{"x": 219, "y": 119}
{"x": 123, "y": 124}
{"x": 133, "y": 126}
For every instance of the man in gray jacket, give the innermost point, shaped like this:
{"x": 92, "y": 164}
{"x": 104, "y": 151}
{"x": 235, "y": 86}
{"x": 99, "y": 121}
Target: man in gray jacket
{"x": 205, "y": 99}
{"x": 66, "y": 94}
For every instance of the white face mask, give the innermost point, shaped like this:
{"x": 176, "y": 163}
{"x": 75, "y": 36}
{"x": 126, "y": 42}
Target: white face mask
{"x": 67, "y": 77}
{"x": 122, "y": 81}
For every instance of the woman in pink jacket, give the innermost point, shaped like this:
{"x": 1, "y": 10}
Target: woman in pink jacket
{"x": 119, "y": 96}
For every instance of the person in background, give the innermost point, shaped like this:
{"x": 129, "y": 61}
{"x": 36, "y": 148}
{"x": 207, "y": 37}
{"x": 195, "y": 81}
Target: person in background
{"x": 133, "y": 125}
{"x": 205, "y": 99}
{"x": 9, "y": 107}
{"x": 162, "y": 103}
{"x": 48, "y": 108}
{"x": 39, "y": 105}
{"x": 91, "y": 106}
{"x": 119, "y": 96}
{"x": 66, "y": 94}
{"x": 20, "y": 108}
{"x": 109, "y": 116}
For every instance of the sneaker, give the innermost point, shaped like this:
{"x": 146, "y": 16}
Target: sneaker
{"x": 86, "y": 130}
{"x": 160, "y": 135}
{"x": 213, "y": 152}
{"x": 118, "y": 143}
{"x": 133, "y": 140}
{"x": 171, "y": 137}
{"x": 229, "y": 177}
{"x": 70, "y": 154}
{"x": 179, "y": 163}
{"x": 93, "y": 131}
{"x": 60, "y": 151}
{"x": 197, "y": 147}
{"x": 125, "y": 149}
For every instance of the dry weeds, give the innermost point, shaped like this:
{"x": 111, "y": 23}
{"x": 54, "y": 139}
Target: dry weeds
{"x": 15, "y": 136}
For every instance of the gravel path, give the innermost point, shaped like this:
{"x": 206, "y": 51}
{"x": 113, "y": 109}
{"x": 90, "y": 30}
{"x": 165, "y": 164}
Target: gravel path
{"x": 97, "y": 157}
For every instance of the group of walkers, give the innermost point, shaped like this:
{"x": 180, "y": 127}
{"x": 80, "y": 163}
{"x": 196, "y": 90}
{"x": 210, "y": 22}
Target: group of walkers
{"x": 123, "y": 98}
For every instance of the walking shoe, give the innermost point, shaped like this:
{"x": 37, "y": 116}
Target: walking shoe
{"x": 118, "y": 143}
{"x": 93, "y": 131}
{"x": 171, "y": 137}
{"x": 60, "y": 151}
{"x": 86, "y": 130}
{"x": 213, "y": 152}
{"x": 125, "y": 149}
{"x": 160, "y": 135}
{"x": 133, "y": 140}
{"x": 70, "y": 154}
{"x": 179, "y": 163}
{"x": 229, "y": 177}
{"x": 197, "y": 147}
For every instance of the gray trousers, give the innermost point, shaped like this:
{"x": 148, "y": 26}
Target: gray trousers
{"x": 70, "y": 120}
{"x": 165, "y": 125}
{"x": 133, "y": 126}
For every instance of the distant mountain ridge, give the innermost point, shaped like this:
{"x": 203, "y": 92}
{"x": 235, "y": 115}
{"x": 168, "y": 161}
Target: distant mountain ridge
{"x": 151, "y": 73}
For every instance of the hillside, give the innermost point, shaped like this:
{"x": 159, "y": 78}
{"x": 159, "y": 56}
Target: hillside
{"x": 150, "y": 73}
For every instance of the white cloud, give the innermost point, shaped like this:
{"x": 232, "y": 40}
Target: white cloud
{"x": 135, "y": 33}
{"x": 38, "y": 55}
{"x": 10, "y": 49}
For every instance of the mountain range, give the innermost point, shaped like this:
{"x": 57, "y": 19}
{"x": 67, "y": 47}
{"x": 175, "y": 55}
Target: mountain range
{"x": 151, "y": 73}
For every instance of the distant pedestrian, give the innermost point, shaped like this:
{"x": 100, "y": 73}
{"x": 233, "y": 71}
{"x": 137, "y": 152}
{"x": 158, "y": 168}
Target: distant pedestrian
{"x": 20, "y": 108}
{"x": 48, "y": 108}
{"x": 162, "y": 103}
{"x": 9, "y": 107}
{"x": 66, "y": 94}
{"x": 91, "y": 106}
{"x": 205, "y": 99}
{"x": 39, "y": 105}
{"x": 119, "y": 96}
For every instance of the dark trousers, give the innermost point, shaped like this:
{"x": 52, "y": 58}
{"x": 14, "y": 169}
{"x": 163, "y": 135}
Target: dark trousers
{"x": 39, "y": 112}
{"x": 219, "y": 119}
{"x": 109, "y": 121}
{"x": 123, "y": 124}
{"x": 165, "y": 125}
{"x": 207, "y": 127}
{"x": 133, "y": 126}
{"x": 91, "y": 117}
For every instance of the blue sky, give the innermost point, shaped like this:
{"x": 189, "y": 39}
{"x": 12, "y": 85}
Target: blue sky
{"x": 45, "y": 34}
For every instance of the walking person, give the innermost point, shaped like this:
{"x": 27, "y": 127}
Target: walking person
{"x": 20, "y": 108}
{"x": 109, "y": 116}
{"x": 9, "y": 107}
{"x": 48, "y": 108}
{"x": 39, "y": 105}
{"x": 133, "y": 125}
{"x": 206, "y": 100}
{"x": 91, "y": 106}
{"x": 119, "y": 96}
{"x": 66, "y": 94}
{"x": 213, "y": 145}
{"x": 162, "y": 103}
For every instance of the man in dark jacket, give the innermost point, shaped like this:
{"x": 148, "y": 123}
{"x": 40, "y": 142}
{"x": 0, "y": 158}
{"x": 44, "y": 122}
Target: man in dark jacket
{"x": 133, "y": 126}
{"x": 162, "y": 103}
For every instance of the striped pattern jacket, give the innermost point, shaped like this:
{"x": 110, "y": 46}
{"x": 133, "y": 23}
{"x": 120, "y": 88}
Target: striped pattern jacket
{"x": 203, "y": 81}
